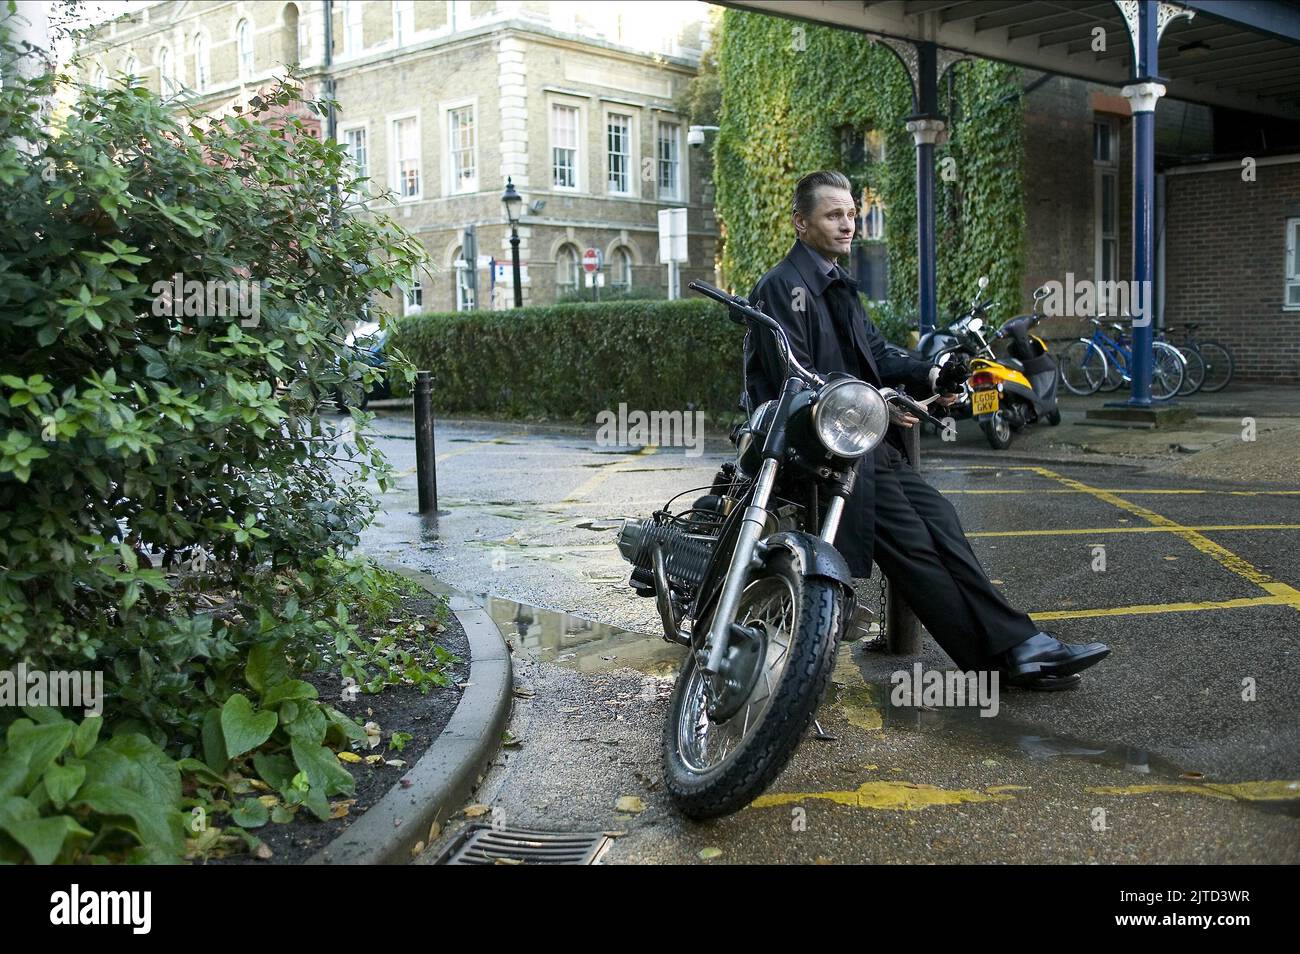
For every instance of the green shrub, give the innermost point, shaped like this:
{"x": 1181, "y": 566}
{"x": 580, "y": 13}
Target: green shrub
{"x": 173, "y": 506}
{"x": 635, "y": 293}
{"x": 575, "y": 360}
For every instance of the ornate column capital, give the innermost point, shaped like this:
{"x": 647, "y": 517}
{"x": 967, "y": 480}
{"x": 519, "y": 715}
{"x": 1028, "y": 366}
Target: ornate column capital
{"x": 1142, "y": 97}
{"x": 928, "y": 131}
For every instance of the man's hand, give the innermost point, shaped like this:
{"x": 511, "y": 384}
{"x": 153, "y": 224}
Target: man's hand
{"x": 952, "y": 376}
{"x": 902, "y": 417}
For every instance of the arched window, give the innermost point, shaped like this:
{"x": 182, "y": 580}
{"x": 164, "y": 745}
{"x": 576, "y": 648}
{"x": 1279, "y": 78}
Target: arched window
{"x": 166, "y": 72}
{"x": 201, "y": 62}
{"x": 566, "y": 270}
{"x": 244, "y": 40}
{"x": 131, "y": 68}
{"x": 413, "y": 294}
{"x": 621, "y": 269}
{"x": 291, "y": 44}
{"x": 100, "y": 78}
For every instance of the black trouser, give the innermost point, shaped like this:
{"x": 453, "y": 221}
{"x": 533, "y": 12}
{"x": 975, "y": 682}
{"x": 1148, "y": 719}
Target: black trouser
{"x": 921, "y": 548}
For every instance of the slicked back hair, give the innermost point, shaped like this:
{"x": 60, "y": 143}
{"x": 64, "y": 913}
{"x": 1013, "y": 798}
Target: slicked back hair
{"x": 805, "y": 190}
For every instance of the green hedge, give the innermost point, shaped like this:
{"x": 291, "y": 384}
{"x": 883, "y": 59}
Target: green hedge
{"x": 574, "y": 360}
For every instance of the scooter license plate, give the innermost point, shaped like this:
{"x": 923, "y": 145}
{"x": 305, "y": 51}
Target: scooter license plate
{"x": 984, "y": 402}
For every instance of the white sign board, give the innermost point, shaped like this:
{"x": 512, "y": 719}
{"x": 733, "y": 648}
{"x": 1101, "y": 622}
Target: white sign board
{"x": 672, "y": 235}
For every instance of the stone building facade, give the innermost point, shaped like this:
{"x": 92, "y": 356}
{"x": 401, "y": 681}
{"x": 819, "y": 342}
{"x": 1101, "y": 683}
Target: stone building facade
{"x": 441, "y": 102}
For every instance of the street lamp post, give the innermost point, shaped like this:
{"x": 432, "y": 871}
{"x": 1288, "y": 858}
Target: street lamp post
{"x": 512, "y": 200}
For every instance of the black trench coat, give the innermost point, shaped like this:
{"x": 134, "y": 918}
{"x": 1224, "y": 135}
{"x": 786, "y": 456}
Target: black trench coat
{"x": 801, "y": 278}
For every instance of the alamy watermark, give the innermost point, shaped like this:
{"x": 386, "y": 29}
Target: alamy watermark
{"x": 236, "y": 298}
{"x": 626, "y": 428}
{"x": 1085, "y": 298}
{"x": 58, "y": 688}
{"x": 945, "y": 689}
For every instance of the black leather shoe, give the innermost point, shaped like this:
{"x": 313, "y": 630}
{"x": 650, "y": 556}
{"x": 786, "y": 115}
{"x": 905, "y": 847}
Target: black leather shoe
{"x": 1044, "y": 656}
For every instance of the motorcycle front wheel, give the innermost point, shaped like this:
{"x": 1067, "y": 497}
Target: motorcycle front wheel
{"x": 764, "y": 699}
{"x": 997, "y": 430}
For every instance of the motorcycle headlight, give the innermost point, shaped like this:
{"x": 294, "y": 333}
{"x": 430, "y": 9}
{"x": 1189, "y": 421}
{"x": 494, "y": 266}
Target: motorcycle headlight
{"x": 850, "y": 418}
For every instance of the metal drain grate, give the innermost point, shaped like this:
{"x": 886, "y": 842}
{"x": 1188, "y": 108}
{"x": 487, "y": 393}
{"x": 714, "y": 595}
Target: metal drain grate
{"x": 483, "y": 845}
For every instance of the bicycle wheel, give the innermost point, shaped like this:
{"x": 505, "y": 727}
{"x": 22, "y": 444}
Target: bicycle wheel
{"x": 1193, "y": 371}
{"x": 1083, "y": 366}
{"x": 1218, "y": 365}
{"x": 1115, "y": 375}
{"x": 1166, "y": 371}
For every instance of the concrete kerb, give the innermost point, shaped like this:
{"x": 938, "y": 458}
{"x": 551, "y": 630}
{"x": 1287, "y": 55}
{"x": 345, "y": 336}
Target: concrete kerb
{"x": 449, "y": 770}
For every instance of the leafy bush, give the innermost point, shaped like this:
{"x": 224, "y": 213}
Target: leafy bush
{"x": 172, "y": 503}
{"x": 575, "y": 360}
{"x": 635, "y": 293}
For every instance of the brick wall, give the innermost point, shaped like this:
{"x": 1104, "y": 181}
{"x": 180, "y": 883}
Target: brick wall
{"x": 1225, "y": 262}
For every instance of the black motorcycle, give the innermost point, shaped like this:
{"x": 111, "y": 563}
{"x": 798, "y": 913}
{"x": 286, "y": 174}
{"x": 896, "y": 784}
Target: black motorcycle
{"x": 749, "y": 579}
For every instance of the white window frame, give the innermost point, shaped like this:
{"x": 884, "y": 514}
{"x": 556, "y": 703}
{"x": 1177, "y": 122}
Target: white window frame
{"x": 462, "y": 286}
{"x": 564, "y": 289}
{"x": 364, "y": 129}
{"x": 633, "y": 171}
{"x": 245, "y": 58}
{"x": 619, "y": 255}
{"x": 354, "y": 38}
{"x": 168, "y": 81}
{"x": 413, "y": 294}
{"x": 579, "y": 152}
{"x": 682, "y": 192}
{"x": 131, "y": 67}
{"x": 202, "y": 53}
{"x": 451, "y": 184}
{"x": 1104, "y": 169}
{"x": 403, "y": 15}
{"x": 394, "y": 165}
{"x": 99, "y": 78}
{"x": 1291, "y": 277}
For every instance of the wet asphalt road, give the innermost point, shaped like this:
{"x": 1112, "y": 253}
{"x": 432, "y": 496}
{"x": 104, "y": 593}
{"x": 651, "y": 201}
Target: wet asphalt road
{"x": 1155, "y": 757}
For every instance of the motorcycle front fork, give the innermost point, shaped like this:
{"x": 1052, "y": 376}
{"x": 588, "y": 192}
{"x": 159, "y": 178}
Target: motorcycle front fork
{"x": 745, "y": 558}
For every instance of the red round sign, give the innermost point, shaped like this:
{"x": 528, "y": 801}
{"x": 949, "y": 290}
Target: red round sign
{"x": 591, "y": 260}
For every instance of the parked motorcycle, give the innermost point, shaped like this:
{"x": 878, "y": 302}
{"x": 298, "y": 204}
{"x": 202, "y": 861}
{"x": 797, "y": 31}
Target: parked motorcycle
{"x": 749, "y": 579}
{"x": 1012, "y": 393}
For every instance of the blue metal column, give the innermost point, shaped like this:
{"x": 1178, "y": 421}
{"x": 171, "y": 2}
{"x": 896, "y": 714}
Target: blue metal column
{"x": 1143, "y": 94}
{"x": 925, "y": 126}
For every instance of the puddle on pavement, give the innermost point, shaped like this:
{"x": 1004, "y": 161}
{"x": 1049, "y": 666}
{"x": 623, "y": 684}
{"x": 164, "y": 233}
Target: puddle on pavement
{"x": 582, "y": 644}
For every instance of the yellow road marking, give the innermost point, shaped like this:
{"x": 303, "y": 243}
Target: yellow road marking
{"x": 1084, "y": 532}
{"x": 1156, "y": 608}
{"x": 596, "y": 479}
{"x": 904, "y": 796}
{"x": 1128, "y": 492}
{"x": 1221, "y": 555}
{"x": 1272, "y": 790}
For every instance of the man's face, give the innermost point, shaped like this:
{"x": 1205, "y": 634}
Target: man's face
{"x": 830, "y": 228}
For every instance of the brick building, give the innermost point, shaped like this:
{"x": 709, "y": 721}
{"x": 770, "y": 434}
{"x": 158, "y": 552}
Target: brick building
{"x": 440, "y": 102}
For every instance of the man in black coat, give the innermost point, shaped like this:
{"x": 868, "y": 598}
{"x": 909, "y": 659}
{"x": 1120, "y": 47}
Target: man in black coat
{"x": 893, "y": 515}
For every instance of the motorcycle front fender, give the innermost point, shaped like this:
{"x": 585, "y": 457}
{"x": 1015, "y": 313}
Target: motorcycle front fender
{"x": 813, "y": 556}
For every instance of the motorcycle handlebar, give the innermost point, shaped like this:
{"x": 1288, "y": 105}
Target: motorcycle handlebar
{"x": 739, "y": 304}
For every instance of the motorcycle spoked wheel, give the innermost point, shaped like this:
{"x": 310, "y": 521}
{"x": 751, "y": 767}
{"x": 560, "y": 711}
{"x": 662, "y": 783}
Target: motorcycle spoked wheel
{"x": 716, "y": 768}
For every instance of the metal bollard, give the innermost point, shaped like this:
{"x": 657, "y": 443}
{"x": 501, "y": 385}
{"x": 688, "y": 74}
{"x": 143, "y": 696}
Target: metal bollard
{"x": 426, "y": 469}
{"x": 902, "y": 628}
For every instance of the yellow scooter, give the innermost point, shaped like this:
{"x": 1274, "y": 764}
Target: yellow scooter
{"x": 1010, "y": 394}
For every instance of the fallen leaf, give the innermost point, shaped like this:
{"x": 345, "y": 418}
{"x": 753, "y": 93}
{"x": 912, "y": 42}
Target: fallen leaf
{"x": 270, "y": 801}
{"x": 509, "y": 861}
{"x": 341, "y": 809}
{"x": 616, "y": 833}
{"x": 349, "y": 757}
{"x": 475, "y": 810}
{"x": 434, "y": 831}
{"x": 509, "y": 739}
{"x": 708, "y": 853}
{"x": 263, "y": 851}
{"x": 372, "y": 759}
{"x": 259, "y": 785}
{"x": 372, "y": 734}
{"x": 522, "y": 693}
{"x": 630, "y": 804}
{"x": 416, "y": 849}
{"x": 395, "y": 763}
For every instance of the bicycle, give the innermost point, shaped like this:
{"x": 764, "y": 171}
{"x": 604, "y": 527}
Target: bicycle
{"x": 1216, "y": 358}
{"x": 1086, "y": 364}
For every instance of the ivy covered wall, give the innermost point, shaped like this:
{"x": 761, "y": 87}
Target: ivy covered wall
{"x": 789, "y": 93}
